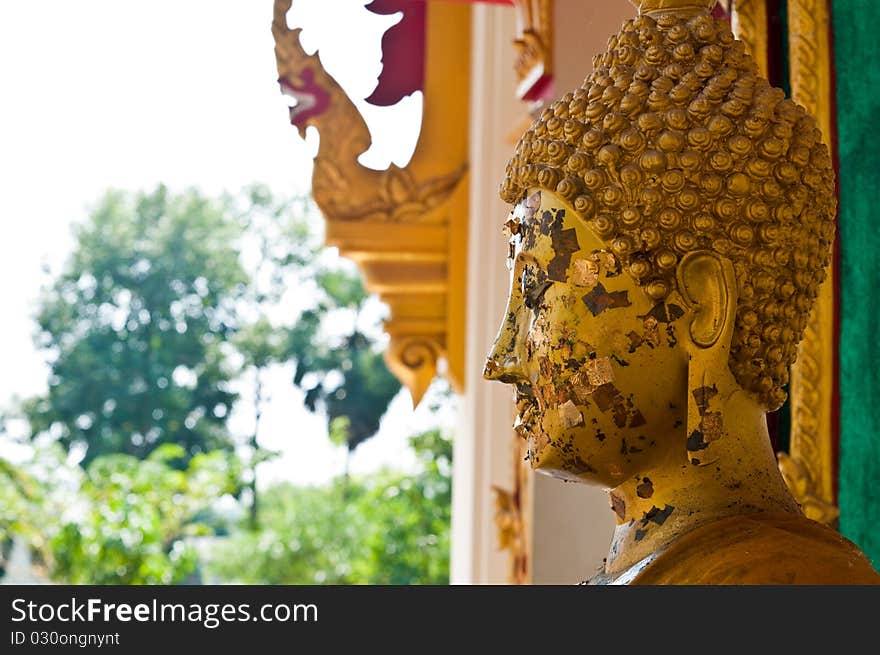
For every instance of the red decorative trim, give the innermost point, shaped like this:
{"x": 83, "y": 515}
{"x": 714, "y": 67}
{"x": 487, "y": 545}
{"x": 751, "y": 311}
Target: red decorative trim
{"x": 403, "y": 52}
{"x": 720, "y": 12}
{"x": 311, "y": 99}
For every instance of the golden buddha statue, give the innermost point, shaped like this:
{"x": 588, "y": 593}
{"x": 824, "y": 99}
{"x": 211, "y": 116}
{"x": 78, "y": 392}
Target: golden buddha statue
{"x": 672, "y": 223}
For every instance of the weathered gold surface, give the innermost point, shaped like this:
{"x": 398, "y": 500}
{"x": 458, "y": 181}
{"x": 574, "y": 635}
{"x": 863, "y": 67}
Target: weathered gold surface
{"x": 810, "y": 466}
{"x": 761, "y": 549}
{"x": 405, "y": 227}
{"x": 672, "y": 222}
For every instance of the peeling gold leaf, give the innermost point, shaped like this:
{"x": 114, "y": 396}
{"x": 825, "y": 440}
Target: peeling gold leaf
{"x": 511, "y": 227}
{"x": 652, "y": 331}
{"x": 711, "y": 426}
{"x": 585, "y": 273}
{"x": 570, "y": 415}
{"x": 598, "y": 371}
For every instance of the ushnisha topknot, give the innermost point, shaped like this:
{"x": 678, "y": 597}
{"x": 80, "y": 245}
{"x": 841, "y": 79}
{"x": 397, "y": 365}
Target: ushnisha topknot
{"x": 675, "y": 143}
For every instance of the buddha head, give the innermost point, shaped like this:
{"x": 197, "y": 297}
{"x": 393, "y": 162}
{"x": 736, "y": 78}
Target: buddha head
{"x": 672, "y": 221}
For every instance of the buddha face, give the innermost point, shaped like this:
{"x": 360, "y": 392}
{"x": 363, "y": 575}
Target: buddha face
{"x": 598, "y": 368}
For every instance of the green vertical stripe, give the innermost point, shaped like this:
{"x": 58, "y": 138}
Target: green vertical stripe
{"x": 856, "y": 24}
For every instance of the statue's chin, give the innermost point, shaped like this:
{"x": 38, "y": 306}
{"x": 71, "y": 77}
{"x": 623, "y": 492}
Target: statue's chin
{"x": 561, "y": 474}
{"x": 560, "y": 463}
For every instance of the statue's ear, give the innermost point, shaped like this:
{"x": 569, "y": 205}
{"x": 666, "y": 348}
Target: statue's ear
{"x": 707, "y": 283}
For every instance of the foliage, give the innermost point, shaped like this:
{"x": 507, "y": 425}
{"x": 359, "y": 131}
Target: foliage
{"x": 120, "y": 521}
{"x": 162, "y": 288}
{"x": 20, "y": 499}
{"x": 165, "y": 302}
{"x": 131, "y": 520}
{"x": 385, "y": 528}
{"x": 343, "y": 373}
{"x": 407, "y": 538}
{"x": 135, "y": 516}
{"x": 134, "y": 326}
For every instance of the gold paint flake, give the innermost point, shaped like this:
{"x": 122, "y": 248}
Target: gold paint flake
{"x": 592, "y": 375}
{"x": 511, "y": 226}
{"x": 610, "y": 263}
{"x": 539, "y": 341}
{"x": 585, "y": 273}
{"x": 711, "y": 426}
{"x": 539, "y": 442}
{"x": 570, "y": 414}
{"x": 598, "y": 371}
{"x": 652, "y": 331}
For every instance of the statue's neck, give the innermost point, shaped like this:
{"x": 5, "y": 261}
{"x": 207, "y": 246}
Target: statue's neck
{"x": 738, "y": 476}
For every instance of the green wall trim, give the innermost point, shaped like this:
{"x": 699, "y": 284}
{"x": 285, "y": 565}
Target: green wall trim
{"x": 855, "y": 26}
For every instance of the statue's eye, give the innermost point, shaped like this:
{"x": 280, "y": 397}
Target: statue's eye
{"x": 534, "y": 285}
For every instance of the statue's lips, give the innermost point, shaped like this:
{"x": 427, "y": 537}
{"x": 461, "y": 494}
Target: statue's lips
{"x": 526, "y": 407}
{"x": 522, "y": 426}
{"x": 526, "y": 414}
{"x": 524, "y": 396}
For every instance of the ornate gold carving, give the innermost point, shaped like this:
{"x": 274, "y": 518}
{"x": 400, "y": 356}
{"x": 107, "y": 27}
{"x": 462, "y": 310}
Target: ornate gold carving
{"x": 809, "y": 469}
{"x": 534, "y": 45}
{"x": 405, "y": 227}
{"x": 674, "y": 144}
{"x": 397, "y": 196}
{"x": 511, "y": 520}
{"x": 749, "y": 23}
{"x": 413, "y": 359}
{"x": 803, "y": 486}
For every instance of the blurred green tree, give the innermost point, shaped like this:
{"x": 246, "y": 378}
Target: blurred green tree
{"x": 330, "y": 332}
{"x": 166, "y": 301}
{"x": 122, "y": 520}
{"x": 161, "y": 289}
{"x": 135, "y": 324}
{"x": 20, "y": 501}
{"x": 341, "y": 370}
{"x": 131, "y": 519}
{"x": 388, "y": 528}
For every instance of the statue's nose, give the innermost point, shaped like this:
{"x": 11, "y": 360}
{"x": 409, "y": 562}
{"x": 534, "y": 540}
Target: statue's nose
{"x": 505, "y": 362}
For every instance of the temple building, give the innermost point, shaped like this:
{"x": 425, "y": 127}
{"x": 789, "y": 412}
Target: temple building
{"x": 428, "y": 239}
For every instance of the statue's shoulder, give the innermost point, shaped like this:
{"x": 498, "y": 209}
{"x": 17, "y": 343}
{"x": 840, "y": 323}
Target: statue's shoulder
{"x": 760, "y": 549}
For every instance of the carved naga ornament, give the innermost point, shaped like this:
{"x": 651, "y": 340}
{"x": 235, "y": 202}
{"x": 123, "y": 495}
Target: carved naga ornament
{"x": 404, "y": 227}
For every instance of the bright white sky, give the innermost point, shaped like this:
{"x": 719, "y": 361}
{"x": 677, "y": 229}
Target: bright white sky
{"x": 125, "y": 94}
